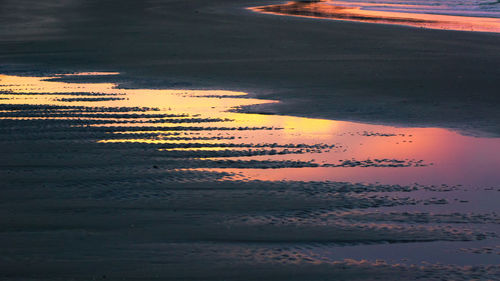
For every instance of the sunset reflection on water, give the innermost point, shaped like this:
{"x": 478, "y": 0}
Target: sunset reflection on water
{"x": 201, "y": 126}
{"x": 367, "y": 12}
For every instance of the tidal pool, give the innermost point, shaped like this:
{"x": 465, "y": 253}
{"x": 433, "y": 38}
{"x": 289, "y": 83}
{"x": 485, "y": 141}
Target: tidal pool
{"x": 479, "y": 16}
{"x": 285, "y": 187}
{"x": 203, "y": 125}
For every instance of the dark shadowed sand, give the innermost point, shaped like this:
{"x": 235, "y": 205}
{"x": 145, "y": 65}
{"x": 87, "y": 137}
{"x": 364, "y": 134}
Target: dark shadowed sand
{"x": 337, "y": 70}
{"x": 100, "y": 182}
{"x": 111, "y": 176}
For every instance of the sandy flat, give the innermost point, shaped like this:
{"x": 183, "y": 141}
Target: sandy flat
{"x": 98, "y": 184}
{"x": 339, "y": 70}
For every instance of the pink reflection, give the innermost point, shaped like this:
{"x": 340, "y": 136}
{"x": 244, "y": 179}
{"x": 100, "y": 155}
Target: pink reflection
{"x": 449, "y": 157}
{"x": 187, "y": 124}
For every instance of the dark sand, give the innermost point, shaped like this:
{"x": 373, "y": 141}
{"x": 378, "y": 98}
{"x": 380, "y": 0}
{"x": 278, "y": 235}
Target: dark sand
{"x": 322, "y": 68}
{"x": 75, "y": 209}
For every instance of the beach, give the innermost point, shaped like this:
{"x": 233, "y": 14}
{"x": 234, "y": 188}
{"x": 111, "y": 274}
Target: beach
{"x": 377, "y": 72}
{"x": 201, "y": 140}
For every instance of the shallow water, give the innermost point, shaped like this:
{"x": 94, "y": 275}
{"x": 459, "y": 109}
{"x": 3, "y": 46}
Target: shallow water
{"x": 480, "y": 16}
{"x": 467, "y": 8}
{"x": 199, "y": 123}
{"x": 283, "y": 188}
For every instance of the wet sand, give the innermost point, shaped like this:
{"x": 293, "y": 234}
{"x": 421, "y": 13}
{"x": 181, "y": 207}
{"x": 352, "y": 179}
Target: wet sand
{"x": 102, "y": 182}
{"x": 352, "y": 11}
{"x": 138, "y": 182}
{"x": 330, "y": 69}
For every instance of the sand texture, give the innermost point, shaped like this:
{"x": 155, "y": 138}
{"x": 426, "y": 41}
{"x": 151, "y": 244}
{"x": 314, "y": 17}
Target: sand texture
{"x": 330, "y": 69}
{"x": 161, "y": 169}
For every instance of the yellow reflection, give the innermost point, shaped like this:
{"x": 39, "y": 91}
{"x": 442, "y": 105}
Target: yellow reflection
{"x": 291, "y": 125}
{"x": 308, "y": 125}
{"x": 267, "y": 147}
{"x": 24, "y": 90}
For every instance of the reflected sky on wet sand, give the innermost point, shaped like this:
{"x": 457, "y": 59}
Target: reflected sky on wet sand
{"x": 203, "y": 125}
{"x": 251, "y": 188}
{"x": 386, "y": 13}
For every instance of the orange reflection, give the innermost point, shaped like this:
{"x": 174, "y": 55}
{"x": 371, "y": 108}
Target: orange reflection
{"x": 199, "y": 126}
{"x": 340, "y": 10}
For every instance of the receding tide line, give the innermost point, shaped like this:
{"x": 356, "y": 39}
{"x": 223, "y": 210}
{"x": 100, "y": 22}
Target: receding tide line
{"x": 335, "y": 10}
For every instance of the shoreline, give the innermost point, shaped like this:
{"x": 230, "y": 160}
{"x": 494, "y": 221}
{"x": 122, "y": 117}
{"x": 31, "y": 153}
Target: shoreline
{"x": 321, "y": 10}
{"x": 339, "y": 70}
{"x": 278, "y": 107}
{"x": 422, "y": 78}
{"x": 99, "y": 181}
{"x": 147, "y": 182}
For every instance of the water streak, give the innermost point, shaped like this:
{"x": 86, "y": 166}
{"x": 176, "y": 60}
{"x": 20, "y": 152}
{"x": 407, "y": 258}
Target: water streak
{"x": 448, "y": 15}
